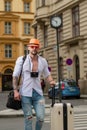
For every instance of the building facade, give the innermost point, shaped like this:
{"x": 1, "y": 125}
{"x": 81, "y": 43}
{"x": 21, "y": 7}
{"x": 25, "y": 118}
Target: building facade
{"x": 16, "y": 18}
{"x": 72, "y": 37}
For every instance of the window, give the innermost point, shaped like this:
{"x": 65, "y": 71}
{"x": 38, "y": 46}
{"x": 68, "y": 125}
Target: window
{"x": 75, "y": 21}
{"x": 7, "y": 6}
{"x": 26, "y": 51}
{"x": 8, "y": 51}
{"x": 45, "y": 36}
{"x": 26, "y": 28}
{"x": 7, "y": 27}
{"x": 35, "y": 32}
{"x": 43, "y": 2}
{"x": 26, "y": 7}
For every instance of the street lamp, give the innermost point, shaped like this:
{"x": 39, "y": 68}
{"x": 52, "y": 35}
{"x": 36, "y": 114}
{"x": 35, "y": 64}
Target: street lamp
{"x": 56, "y": 22}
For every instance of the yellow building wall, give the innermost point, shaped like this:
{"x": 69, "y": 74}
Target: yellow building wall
{"x": 17, "y": 38}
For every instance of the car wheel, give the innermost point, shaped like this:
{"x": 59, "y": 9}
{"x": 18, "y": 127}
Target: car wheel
{"x": 78, "y": 97}
{"x": 63, "y": 97}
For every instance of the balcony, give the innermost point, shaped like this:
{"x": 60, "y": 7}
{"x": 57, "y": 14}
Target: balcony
{"x": 42, "y": 12}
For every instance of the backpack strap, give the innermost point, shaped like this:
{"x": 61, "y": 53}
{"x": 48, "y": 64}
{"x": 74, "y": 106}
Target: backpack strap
{"x": 24, "y": 58}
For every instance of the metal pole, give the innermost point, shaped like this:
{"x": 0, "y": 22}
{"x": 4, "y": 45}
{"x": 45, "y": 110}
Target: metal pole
{"x": 58, "y": 65}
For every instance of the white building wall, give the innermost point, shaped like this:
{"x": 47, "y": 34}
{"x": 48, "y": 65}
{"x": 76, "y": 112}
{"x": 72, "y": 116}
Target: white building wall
{"x": 66, "y": 51}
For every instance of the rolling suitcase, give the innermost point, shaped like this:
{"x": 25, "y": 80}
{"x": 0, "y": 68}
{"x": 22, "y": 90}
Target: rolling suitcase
{"x": 62, "y": 116}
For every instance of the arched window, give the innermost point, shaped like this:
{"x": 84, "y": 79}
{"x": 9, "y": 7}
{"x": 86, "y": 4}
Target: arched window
{"x": 8, "y": 71}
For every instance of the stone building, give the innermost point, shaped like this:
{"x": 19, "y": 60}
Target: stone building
{"x": 16, "y": 18}
{"x": 72, "y": 37}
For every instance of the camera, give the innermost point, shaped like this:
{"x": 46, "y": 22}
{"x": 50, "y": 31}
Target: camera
{"x": 34, "y": 74}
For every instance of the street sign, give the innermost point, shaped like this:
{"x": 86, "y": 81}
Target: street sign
{"x": 69, "y": 61}
{"x": 69, "y": 68}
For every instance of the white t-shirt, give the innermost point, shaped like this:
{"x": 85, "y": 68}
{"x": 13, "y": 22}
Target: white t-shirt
{"x": 29, "y": 83}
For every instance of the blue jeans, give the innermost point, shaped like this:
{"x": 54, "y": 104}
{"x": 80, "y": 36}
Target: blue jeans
{"x": 38, "y": 103}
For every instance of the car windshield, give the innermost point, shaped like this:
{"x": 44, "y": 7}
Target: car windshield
{"x": 71, "y": 84}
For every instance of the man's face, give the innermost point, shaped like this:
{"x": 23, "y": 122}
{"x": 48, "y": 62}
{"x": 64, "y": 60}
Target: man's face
{"x": 33, "y": 49}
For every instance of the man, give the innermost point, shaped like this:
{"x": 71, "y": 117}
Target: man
{"x": 31, "y": 93}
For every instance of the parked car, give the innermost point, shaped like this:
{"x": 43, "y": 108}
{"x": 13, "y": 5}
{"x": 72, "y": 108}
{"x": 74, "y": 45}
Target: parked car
{"x": 69, "y": 88}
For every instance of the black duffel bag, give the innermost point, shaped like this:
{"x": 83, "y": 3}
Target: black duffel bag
{"x": 12, "y": 103}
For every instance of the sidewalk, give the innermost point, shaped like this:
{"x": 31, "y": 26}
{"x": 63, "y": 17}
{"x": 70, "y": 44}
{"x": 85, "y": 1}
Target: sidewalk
{"x": 83, "y": 96}
{"x": 18, "y": 113}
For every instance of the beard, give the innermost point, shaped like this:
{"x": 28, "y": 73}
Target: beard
{"x": 34, "y": 53}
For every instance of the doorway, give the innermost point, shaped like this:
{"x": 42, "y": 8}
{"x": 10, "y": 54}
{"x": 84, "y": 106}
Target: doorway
{"x": 7, "y": 80}
{"x": 77, "y": 68}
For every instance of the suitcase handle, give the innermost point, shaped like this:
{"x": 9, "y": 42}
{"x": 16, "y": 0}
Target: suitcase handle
{"x": 53, "y": 96}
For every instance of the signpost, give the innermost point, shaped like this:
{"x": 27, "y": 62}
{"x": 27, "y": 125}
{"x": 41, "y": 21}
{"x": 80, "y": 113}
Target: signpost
{"x": 56, "y": 22}
{"x": 69, "y": 63}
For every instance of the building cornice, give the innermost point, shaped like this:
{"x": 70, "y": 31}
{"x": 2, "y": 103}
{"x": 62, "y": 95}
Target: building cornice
{"x": 26, "y": 0}
{"x": 8, "y": 0}
{"x": 66, "y": 6}
{"x": 7, "y": 16}
{"x": 47, "y": 48}
{"x": 41, "y": 21}
{"x": 13, "y": 40}
{"x": 42, "y": 12}
{"x": 28, "y": 19}
{"x": 73, "y": 40}
{"x": 58, "y": 8}
{"x": 15, "y": 12}
{"x": 11, "y": 60}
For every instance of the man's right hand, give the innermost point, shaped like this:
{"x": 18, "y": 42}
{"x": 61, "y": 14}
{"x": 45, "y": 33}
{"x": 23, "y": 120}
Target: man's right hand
{"x": 17, "y": 95}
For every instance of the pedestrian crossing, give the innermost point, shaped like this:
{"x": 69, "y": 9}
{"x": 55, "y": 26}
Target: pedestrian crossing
{"x": 80, "y": 117}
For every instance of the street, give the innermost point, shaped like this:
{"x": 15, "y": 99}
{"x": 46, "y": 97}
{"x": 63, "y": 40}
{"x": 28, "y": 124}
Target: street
{"x": 17, "y": 123}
